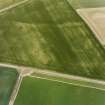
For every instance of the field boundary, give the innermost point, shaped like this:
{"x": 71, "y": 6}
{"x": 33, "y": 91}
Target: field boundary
{"x": 70, "y": 83}
{"x": 15, "y": 90}
{"x": 89, "y": 22}
{"x": 13, "y": 6}
{"x": 52, "y": 76}
{"x": 99, "y": 8}
{"x": 44, "y": 73}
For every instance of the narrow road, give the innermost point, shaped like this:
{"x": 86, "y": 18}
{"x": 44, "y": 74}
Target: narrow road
{"x": 53, "y": 76}
{"x": 13, "y": 6}
{"x": 25, "y": 71}
{"x": 16, "y": 90}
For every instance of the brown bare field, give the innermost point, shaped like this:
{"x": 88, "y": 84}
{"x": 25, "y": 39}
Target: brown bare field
{"x": 95, "y": 18}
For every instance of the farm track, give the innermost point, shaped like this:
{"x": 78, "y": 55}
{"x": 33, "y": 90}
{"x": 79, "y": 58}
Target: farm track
{"x": 15, "y": 90}
{"x": 52, "y": 76}
{"x": 96, "y": 24}
{"x": 13, "y": 6}
{"x": 95, "y": 83}
{"x": 87, "y": 4}
{"x": 28, "y": 71}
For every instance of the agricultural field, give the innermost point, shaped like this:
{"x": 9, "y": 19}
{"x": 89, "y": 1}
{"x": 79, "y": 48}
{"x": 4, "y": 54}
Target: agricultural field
{"x": 49, "y": 34}
{"x": 38, "y": 91}
{"x": 95, "y": 18}
{"x": 58, "y": 53}
{"x": 77, "y": 4}
{"x": 8, "y": 77}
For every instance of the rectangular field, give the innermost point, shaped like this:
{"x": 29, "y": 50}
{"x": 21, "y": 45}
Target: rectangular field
{"x": 8, "y": 77}
{"x": 49, "y": 34}
{"x": 39, "y": 91}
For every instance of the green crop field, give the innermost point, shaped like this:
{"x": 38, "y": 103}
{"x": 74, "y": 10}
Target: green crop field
{"x": 49, "y": 34}
{"x": 87, "y": 3}
{"x": 8, "y": 77}
{"x": 37, "y": 91}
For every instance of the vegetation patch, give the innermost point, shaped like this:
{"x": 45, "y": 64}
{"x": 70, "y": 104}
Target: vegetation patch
{"x": 37, "y": 91}
{"x": 49, "y": 34}
{"x": 8, "y": 77}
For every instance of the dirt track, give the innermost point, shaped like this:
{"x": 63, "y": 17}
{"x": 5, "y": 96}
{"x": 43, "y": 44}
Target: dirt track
{"x": 13, "y": 6}
{"x": 27, "y": 71}
{"x": 95, "y": 18}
